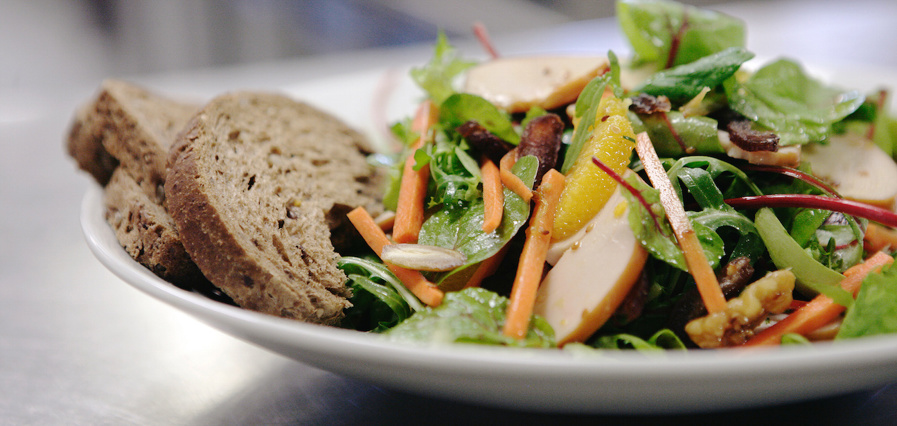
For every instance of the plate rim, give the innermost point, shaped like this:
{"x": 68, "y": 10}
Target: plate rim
{"x": 312, "y": 342}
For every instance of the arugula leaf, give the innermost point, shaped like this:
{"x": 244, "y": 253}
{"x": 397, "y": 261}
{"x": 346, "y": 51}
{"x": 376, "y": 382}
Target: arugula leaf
{"x": 684, "y": 82}
{"x": 783, "y": 98}
{"x": 473, "y": 315}
{"x": 715, "y": 167}
{"x": 455, "y": 175}
{"x": 438, "y": 76}
{"x": 875, "y": 310}
{"x": 672, "y": 34}
{"x": 464, "y": 231}
{"x": 460, "y": 108}
{"x": 661, "y": 243}
{"x": 379, "y": 299}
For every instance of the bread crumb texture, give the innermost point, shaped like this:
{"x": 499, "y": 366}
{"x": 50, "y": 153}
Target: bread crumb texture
{"x": 256, "y": 183}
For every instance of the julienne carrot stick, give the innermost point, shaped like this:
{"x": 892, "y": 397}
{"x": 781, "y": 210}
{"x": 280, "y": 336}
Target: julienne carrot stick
{"x": 374, "y": 236}
{"x": 493, "y": 196}
{"x": 511, "y": 180}
{"x": 878, "y": 237}
{"x": 413, "y": 187}
{"x": 532, "y": 259}
{"x": 821, "y": 310}
{"x": 698, "y": 266}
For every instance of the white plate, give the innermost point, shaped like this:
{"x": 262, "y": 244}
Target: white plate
{"x": 543, "y": 380}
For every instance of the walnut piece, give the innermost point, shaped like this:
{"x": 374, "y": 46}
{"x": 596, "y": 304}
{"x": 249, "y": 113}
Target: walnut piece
{"x": 735, "y": 324}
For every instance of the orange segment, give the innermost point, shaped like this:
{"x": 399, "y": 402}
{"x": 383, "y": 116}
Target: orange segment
{"x": 588, "y": 188}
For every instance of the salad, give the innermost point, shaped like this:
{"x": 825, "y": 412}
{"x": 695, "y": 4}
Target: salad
{"x": 677, "y": 199}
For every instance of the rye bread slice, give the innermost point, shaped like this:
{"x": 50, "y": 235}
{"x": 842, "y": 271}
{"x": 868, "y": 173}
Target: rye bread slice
{"x": 128, "y": 126}
{"x": 147, "y": 232}
{"x": 85, "y": 144}
{"x": 254, "y": 182}
{"x": 122, "y": 138}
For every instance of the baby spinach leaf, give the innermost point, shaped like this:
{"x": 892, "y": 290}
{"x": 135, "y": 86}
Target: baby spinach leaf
{"x": 783, "y": 98}
{"x": 684, "y": 82}
{"x": 460, "y": 108}
{"x": 437, "y": 76}
{"x": 875, "y": 310}
{"x": 463, "y": 231}
{"x": 671, "y": 33}
{"x": 473, "y": 315}
{"x": 586, "y": 108}
{"x": 698, "y": 132}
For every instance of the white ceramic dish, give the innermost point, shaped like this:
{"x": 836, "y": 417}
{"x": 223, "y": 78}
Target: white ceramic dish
{"x": 543, "y": 380}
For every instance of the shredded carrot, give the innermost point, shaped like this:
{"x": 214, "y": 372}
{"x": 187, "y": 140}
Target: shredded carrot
{"x": 878, "y": 237}
{"x": 822, "y": 310}
{"x": 413, "y": 187}
{"x": 493, "y": 196}
{"x": 532, "y": 259}
{"x": 698, "y": 266}
{"x": 426, "y": 291}
{"x": 511, "y": 180}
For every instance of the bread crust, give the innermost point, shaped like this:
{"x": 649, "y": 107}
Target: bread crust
{"x": 122, "y": 138}
{"x": 251, "y": 183}
{"x": 147, "y": 232}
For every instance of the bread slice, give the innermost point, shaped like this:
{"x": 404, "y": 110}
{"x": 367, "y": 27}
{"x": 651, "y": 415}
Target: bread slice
{"x": 129, "y": 126}
{"x": 254, "y": 183}
{"x": 85, "y": 145}
{"x": 147, "y": 232}
{"x": 122, "y": 138}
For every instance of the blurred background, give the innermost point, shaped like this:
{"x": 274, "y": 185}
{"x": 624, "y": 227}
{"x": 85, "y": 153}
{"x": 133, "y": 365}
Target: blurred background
{"x": 54, "y": 41}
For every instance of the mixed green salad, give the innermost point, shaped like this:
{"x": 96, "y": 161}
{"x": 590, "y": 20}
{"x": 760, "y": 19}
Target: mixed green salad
{"x": 677, "y": 199}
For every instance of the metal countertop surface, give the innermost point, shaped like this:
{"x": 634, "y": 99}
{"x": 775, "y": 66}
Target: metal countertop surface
{"x": 79, "y": 346}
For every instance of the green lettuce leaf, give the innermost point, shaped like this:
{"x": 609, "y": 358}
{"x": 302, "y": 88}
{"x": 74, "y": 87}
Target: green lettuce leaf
{"x": 875, "y": 310}
{"x": 473, "y": 315}
{"x": 437, "y": 77}
{"x": 664, "y": 339}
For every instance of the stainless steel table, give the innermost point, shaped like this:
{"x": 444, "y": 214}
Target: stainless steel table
{"x": 78, "y": 346}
